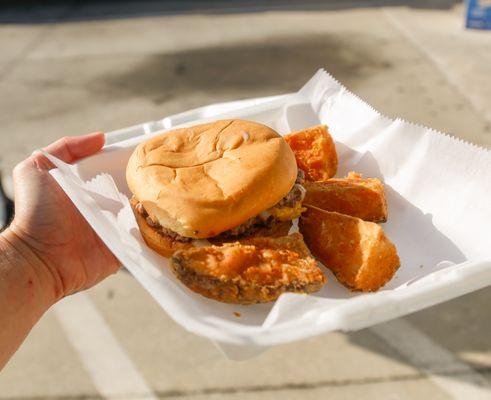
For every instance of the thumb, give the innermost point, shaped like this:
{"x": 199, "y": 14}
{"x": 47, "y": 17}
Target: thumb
{"x": 72, "y": 148}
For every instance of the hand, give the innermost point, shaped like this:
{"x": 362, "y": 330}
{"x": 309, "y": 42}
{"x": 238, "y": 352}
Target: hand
{"x": 49, "y": 227}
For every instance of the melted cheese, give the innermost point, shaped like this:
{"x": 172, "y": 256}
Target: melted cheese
{"x": 287, "y": 213}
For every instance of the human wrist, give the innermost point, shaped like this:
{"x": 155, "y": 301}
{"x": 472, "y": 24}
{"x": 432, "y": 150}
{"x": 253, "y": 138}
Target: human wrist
{"x": 25, "y": 294}
{"x": 27, "y": 273}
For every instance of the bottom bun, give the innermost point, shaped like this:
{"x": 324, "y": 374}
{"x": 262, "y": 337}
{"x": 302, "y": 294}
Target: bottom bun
{"x": 166, "y": 246}
{"x": 162, "y": 244}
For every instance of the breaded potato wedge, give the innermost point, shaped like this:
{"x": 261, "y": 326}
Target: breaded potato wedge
{"x": 353, "y": 195}
{"x": 276, "y": 230}
{"x": 315, "y": 152}
{"x": 257, "y": 270}
{"x": 356, "y": 251}
{"x": 293, "y": 242}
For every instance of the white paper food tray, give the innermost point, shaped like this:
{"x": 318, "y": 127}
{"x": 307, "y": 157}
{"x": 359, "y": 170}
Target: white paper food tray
{"x": 439, "y": 195}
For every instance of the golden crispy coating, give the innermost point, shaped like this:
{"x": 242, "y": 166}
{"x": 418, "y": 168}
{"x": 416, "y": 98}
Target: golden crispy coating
{"x": 257, "y": 270}
{"x": 315, "y": 152}
{"x": 278, "y": 229}
{"x": 353, "y": 195}
{"x": 356, "y": 251}
{"x": 293, "y": 242}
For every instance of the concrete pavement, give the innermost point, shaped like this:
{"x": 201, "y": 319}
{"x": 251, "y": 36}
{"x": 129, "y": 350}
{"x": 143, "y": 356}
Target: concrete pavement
{"x": 77, "y": 72}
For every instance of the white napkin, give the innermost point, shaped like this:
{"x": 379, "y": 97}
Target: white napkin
{"x": 438, "y": 190}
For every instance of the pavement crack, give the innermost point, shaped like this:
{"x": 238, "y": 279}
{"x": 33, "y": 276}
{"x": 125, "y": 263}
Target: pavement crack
{"x": 286, "y": 386}
{"x": 176, "y": 393}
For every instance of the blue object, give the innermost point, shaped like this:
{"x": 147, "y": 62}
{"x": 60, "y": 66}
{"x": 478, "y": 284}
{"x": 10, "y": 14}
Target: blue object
{"x": 478, "y": 14}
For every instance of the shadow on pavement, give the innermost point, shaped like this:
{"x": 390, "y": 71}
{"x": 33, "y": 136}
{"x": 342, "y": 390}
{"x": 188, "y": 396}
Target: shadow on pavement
{"x": 459, "y": 325}
{"x": 271, "y": 66}
{"x": 65, "y": 11}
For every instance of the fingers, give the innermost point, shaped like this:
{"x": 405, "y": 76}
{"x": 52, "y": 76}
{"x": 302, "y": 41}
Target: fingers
{"x": 71, "y": 149}
{"x": 67, "y": 149}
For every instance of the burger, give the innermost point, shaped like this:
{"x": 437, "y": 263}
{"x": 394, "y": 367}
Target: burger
{"x": 217, "y": 182}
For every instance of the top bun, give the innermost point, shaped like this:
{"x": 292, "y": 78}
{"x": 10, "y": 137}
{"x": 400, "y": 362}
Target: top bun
{"x": 206, "y": 179}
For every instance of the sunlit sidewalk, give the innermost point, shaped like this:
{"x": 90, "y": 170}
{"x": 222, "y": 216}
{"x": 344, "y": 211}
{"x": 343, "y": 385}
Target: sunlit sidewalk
{"x": 71, "y": 69}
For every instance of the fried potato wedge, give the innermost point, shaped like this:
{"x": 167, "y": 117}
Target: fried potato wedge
{"x": 276, "y": 230}
{"x": 256, "y": 270}
{"x": 356, "y": 251}
{"x": 315, "y": 152}
{"x": 353, "y": 195}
